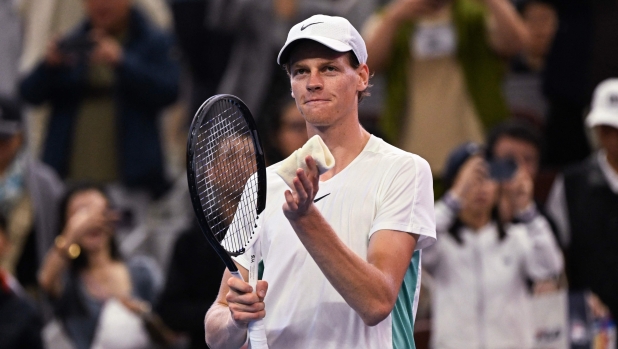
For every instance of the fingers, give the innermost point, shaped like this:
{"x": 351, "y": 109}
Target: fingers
{"x": 245, "y": 305}
{"x": 262, "y": 288}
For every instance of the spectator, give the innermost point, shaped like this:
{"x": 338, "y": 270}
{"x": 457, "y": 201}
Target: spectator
{"x": 584, "y": 54}
{"x": 284, "y": 132}
{"x": 107, "y": 81}
{"x": 520, "y": 141}
{"x": 443, "y": 62}
{"x": 85, "y": 276}
{"x": 522, "y": 85}
{"x": 584, "y": 202}
{"x": 20, "y": 325}
{"x": 192, "y": 285}
{"x": 29, "y": 193}
{"x": 481, "y": 261}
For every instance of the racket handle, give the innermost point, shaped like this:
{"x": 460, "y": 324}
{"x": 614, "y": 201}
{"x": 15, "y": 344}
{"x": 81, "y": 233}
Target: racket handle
{"x": 237, "y": 275}
{"x": 257, "y": 335}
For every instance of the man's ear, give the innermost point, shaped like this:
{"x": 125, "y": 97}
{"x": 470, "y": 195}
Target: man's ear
{"x": 363, "y": 73}
{"x": 292, "y": 93}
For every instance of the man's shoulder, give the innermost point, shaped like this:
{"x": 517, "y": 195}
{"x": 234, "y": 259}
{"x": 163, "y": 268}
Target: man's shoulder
{"x": 390, "y": 154}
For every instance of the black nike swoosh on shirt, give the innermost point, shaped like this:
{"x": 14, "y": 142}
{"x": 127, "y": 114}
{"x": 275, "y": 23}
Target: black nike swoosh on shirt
{"x": 305, "y": 26}
{"x": 321, "y": 197}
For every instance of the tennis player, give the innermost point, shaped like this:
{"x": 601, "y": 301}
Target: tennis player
{"x": 341, "y": 250}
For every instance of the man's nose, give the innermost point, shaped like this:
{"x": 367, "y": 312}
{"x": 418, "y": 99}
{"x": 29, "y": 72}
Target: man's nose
{"x": 314, "y": 82}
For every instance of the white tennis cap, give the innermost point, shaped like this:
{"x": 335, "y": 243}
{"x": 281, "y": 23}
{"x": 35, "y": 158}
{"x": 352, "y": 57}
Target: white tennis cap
{"x": 604, "y": 110}
{"x": 336, "y": 33}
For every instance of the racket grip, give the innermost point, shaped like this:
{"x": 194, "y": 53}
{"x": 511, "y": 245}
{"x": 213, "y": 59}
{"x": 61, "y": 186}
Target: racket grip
{"x": 257, "y": 335}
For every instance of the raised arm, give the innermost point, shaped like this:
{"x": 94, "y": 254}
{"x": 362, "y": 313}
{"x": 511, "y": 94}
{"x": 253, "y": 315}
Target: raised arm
{"x": 382, "y": 29}
{"x": 507, "y": 32}
{"x": 543, "y": 259}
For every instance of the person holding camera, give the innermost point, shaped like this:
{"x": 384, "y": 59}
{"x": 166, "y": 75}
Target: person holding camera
{"x": 444, "y": 62}
{"x": 107, "y": 81}
{"x": 481, "y": 262}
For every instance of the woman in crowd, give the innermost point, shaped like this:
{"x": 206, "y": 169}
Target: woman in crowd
{"x": 482, "y": 261}
{"x": 88, "y": 281}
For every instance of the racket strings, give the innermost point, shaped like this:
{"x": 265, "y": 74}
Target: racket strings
{"x": 227, "y": 175}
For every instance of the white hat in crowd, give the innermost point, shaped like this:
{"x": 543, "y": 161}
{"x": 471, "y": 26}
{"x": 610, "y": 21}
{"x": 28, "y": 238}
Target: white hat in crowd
{"x": 337, "y": 33}
{"x": 604, "y": 110}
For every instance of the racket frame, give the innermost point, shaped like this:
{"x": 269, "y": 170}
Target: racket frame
{"x": 201, "y": 113}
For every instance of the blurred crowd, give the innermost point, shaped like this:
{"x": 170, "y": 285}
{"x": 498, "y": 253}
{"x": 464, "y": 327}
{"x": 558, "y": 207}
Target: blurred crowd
{"x": 514, "y": 104}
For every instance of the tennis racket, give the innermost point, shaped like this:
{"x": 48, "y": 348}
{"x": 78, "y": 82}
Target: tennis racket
{"x": 227, "y": 183}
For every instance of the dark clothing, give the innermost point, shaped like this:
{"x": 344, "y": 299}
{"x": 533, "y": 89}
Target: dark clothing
{"x": 193, "y": 282}
{"x": 20, "y": 325}
{"x": 583, "y": 54}
{"x": 205, "y": 50}
{"x": 146, "y": 81}
{"x": 592, "y": 257}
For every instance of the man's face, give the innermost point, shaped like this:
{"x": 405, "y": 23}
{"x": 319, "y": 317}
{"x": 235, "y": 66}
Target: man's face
{"x": 608, "y": 138}
{"x": 324, "y": 83}
{"x": 108, "y": 15}
{"x": 524, "y": 153}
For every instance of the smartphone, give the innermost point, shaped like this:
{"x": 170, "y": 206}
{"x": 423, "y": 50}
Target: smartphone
{"x": 502, "y": 169}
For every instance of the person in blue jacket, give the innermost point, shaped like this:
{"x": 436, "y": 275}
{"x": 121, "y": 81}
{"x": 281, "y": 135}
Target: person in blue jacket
{"x": 107, "y": 82}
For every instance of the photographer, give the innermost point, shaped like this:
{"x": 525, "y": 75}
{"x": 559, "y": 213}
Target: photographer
{"x": 482, "y": 261}
{"x": 107, "y": 81}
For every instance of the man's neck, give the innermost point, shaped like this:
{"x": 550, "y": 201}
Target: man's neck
{"x": 345, "y": 141}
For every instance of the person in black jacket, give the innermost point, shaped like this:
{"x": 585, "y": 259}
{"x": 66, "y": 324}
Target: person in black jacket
{"x": 20, "y": 324}
{"x": 192, "y": 285}
{"x": 584, "y": 203}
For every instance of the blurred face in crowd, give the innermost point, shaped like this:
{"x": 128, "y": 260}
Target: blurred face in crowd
{"x": 542, "y": 22}
{"x": 524, "y": 153}
{"x": 97, "y": 236}
{"x": 324, "y": 83}
{"x": 608, "y": 139}
{"x": 292, "y": 131}
{"x": 9, "y": 147}
{"x": 110, "y": 16}
{"x": 481, "y": 197}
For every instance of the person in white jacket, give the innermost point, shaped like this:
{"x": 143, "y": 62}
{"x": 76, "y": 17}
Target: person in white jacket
{"x": 482, "y": 260}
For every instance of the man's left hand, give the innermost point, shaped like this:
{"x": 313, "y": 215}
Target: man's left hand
{"x": 299, "y": 200}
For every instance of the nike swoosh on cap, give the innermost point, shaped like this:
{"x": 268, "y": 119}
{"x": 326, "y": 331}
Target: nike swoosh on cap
{"x": 321, "y": 197}
{"x": 305, "y": 26}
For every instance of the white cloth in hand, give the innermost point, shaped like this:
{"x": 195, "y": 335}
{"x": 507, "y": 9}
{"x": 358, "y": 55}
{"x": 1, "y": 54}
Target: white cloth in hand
{"x": 314, "y": 147}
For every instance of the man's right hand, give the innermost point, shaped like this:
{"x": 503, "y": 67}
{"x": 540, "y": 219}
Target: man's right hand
{"x": 246, "y": 306}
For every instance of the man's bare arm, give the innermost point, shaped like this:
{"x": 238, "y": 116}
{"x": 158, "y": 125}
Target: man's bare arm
{"x": 369, "y": 286}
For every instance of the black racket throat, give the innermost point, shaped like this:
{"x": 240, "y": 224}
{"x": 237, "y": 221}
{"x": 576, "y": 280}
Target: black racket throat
{"x": 226, "y": 173}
